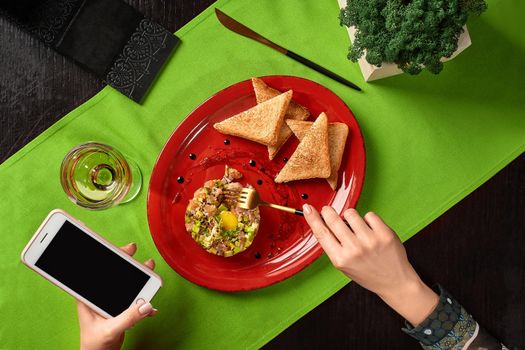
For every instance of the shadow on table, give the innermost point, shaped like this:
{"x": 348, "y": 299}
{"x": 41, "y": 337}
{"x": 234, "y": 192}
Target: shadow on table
{"x": 490, "y": 71}
{"x": 483, "y": 85}
{"x": 166, "y": 329}
{"x": 170, "y": 328}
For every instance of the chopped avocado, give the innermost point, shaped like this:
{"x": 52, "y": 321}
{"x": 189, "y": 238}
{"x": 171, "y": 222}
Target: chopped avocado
{"x": 222, "y": 207}
{"x": 196, "y": 226}
{"x": 229, "y": 233}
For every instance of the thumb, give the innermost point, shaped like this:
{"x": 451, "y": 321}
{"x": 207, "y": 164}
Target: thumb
{"x": 131, "y": 316}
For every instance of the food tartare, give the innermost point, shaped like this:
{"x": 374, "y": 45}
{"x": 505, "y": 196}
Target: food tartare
{"x": 215, "y": 222}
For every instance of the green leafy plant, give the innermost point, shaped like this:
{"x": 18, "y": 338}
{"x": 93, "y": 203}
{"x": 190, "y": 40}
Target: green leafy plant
{"x": 414, "y": 34}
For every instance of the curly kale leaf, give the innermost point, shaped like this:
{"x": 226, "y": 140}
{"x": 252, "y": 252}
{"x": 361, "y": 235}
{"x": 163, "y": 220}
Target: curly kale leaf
{"x": 414, "y": 34}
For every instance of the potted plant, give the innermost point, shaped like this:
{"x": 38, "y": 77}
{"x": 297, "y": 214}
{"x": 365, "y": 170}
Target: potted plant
{"x": 395, "y": 36}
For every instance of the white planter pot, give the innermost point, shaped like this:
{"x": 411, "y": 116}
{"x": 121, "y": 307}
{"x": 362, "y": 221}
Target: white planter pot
{"x": 371, "y": 72}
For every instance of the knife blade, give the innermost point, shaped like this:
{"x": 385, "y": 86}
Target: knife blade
{"x": 243, "y": 30}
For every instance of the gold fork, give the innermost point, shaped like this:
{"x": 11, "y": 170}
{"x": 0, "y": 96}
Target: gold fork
{"x": 248, "y": 198}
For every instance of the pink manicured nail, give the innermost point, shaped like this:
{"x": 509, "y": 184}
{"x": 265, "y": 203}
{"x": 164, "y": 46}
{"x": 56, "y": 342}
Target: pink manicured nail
{"x": 306, "y": 209}
{"x": 145, "y": 309}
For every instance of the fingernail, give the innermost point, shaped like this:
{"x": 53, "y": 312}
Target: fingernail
{"x": 153, "y": 313}
{"x": 132, "y": 244}
{"x": 306, "y": 209}
{"x": 145, "y": 309}
{"x": 150, "y": 260}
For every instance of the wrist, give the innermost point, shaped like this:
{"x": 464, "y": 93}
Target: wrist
{"x": 413, "y": 300}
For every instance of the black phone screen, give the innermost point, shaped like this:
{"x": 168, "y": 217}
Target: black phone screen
{"x": 92, "y": 270}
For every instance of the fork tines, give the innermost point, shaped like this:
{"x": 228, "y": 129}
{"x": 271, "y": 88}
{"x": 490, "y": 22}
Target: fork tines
{"x": 232, "y": 195}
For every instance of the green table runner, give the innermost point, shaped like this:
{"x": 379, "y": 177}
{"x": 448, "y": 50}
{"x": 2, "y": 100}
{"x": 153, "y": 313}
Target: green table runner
{"x": 430, "y": 141}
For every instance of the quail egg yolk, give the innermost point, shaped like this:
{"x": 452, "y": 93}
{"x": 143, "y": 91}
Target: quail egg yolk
{"x": 228, "y": 220}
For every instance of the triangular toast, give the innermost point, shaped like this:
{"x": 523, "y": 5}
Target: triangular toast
{"x": 311, "y": 158}
{"x": 337, "y": 135}
{"x": 295, "y": 111}
{"x": 260, "y": 123}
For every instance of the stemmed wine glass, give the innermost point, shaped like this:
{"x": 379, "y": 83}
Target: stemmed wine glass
{"x": 97, "y": 176}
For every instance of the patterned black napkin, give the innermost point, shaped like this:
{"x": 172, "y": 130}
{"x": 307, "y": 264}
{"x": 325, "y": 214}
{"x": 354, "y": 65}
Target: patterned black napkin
{"x": 106, "y": 37}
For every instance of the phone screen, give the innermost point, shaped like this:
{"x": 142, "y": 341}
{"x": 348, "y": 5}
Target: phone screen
{"x": 92, "y": 270}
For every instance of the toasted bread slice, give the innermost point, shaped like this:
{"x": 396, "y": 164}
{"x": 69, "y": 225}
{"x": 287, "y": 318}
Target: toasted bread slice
{"x": 295, "y": 111}
{"x": 260, "y": 123}
{"x": 337, "y": 135}
{"x": 311, "y": 158}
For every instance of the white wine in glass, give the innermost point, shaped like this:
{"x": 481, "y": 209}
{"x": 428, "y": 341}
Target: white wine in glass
{"x": 97, "y": 176}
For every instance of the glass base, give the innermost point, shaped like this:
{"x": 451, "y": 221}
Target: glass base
{"x": 136, "y": 182}
{"x": 97, "y": 176}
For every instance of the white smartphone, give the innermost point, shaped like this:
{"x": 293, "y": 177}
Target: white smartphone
{"x": 87, "y": 266}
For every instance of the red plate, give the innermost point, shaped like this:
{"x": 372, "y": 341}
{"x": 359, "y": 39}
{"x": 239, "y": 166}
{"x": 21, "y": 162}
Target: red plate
{"x": 284, "y": 244}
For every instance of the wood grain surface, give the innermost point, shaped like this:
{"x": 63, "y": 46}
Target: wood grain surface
{"x": 476, "y": 250}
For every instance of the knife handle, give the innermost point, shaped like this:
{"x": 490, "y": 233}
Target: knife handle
{"x": 321, "y": 70}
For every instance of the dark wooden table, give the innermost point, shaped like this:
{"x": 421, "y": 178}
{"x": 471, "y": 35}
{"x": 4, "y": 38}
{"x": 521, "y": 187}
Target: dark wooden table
{"x": 475, "y": 250}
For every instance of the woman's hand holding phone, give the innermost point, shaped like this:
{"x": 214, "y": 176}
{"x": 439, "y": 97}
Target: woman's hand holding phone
{"x": 99, "y": 333}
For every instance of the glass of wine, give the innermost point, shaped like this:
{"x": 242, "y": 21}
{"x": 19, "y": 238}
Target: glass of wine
{"x": 97, "y": 176}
